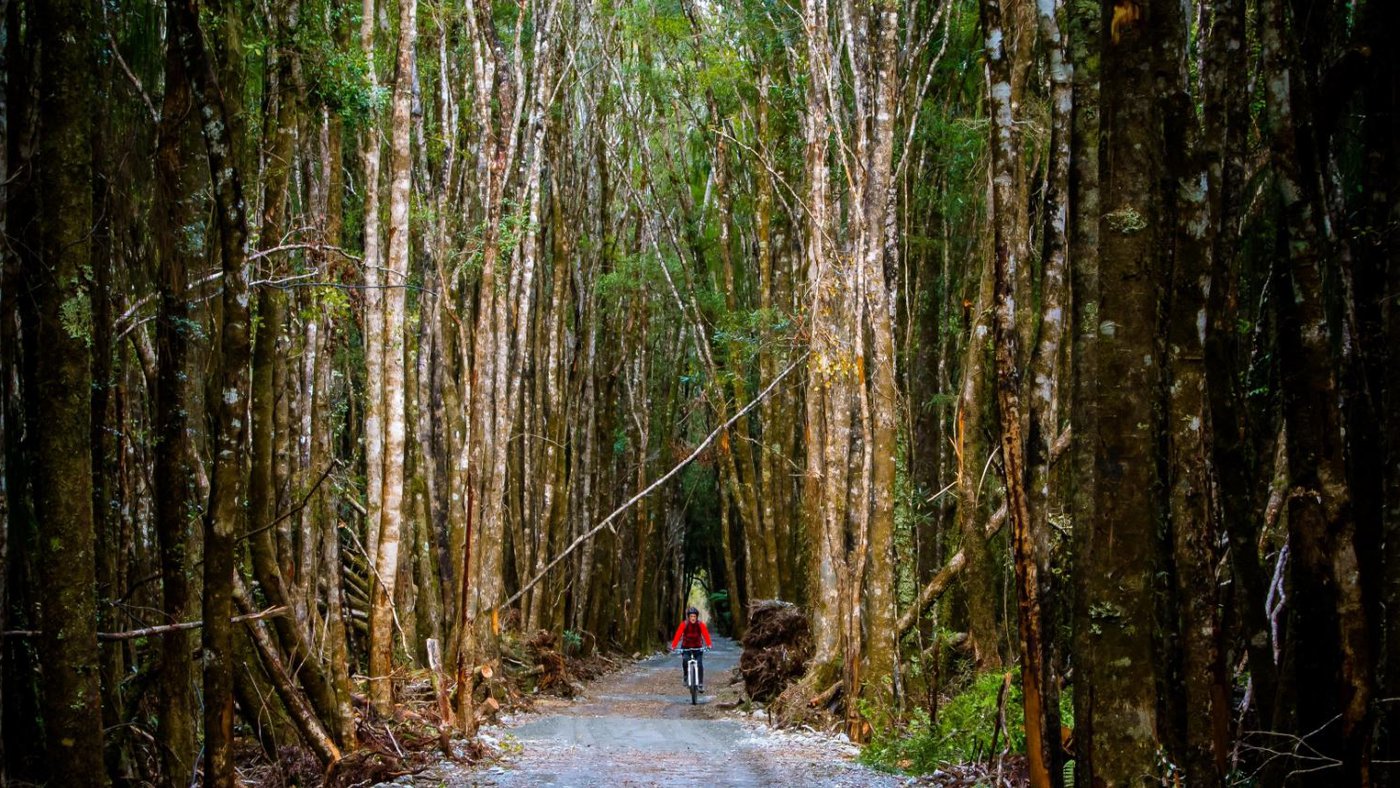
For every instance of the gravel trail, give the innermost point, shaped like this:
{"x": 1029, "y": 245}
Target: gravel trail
{"x": 637, "y": 727}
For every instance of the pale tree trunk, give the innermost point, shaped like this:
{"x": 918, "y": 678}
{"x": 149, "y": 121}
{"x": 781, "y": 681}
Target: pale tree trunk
{"x": 825, "y": 494}
{"x": 522, "y": 313}
{"x": 386, "y": 559}
{"x": 851, "y": 394}
{"x": 373, "y": 326}
{"x": 880, "y": 439}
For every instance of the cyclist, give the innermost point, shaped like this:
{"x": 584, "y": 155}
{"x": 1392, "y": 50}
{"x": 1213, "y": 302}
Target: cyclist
{"x": 693, "y": 634}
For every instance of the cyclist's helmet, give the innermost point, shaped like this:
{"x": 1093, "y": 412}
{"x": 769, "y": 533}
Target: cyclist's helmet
{"x": 691, "y": 610}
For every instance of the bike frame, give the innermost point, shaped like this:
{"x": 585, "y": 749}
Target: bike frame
{"x": 692, "y": 672}
{"x": 692, "y": 667}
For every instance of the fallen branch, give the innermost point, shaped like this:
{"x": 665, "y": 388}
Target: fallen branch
{"x": 292, "y": 511}
{"x": 313, "y": 731}
{"x": 940, "y": 582}
{"x": 607, "y": 521}
{"x": 825, "y": 696}
{"x": 164, "y": 629}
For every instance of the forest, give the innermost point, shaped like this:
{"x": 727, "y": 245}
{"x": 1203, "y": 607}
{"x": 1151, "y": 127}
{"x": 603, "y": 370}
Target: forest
{"x": 349, "y": 342}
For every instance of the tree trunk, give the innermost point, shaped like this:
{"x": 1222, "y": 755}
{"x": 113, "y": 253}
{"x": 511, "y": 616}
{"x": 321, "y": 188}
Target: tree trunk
{"x": 983, "y": 637}
{"x": 176, "y": 486}
{"x": 1335, "y": 674}
{"x": 227, "y": 487}
{"x": 1118, "y": 557}
{"x": 1198, "y": 715}
{"x": 58, "y": 280}
{"x": 386, "y": 559}
{"x": 1008, "y": 259}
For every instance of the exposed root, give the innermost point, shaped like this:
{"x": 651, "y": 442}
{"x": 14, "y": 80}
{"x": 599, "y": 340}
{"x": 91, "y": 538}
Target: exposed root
{"x": 777, "y": 646}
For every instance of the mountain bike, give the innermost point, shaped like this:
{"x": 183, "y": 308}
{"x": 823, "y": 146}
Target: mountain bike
{"x": 692, "y": 672}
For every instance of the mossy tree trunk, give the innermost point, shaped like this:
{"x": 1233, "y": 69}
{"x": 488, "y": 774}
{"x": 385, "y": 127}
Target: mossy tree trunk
{"x": 59, "y": 280}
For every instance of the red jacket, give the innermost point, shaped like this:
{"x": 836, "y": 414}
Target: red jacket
{"x": 693, "y": 637}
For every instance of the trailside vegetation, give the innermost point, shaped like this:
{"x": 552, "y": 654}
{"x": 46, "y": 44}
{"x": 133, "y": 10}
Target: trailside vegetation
{"x": 1015, "y": 378}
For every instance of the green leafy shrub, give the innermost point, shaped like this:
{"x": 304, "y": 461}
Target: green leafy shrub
{"x": 963, "y": 731}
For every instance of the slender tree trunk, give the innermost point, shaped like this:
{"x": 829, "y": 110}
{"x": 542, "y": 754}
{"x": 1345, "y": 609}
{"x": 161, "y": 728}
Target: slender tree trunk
{"x": 970, "y": 450}
{"x": 1008, "y": 259}
{"x": 373, "y": 326}
{"x": 825, "y": 494}
{"x": 881, "y": 433}
{"x": 176, "y": 487}
{"x": 227, "y": 487}
{"x": 386, "y": 559}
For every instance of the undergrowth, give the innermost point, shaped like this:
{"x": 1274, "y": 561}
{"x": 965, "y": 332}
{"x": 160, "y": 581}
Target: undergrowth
{"x": 962, "y": 732}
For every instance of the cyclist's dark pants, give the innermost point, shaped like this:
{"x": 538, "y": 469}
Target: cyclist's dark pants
{"x": 699, "y": 664}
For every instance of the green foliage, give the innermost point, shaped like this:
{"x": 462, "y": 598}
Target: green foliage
{"x": 75, "y": 315}
{"x": 963, "y": 731}
{"x": 337, "y": 76}
{"x": 573, "y": 641}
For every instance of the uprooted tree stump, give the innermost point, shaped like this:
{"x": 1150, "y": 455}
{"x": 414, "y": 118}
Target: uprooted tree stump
{"x": 777, "y": 646}
{"x": 550, "y": 670}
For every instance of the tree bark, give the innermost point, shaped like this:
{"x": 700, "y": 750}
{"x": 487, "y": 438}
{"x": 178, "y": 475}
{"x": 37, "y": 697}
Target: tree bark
{"x": 227, "y": 487}
{"x": 1118, "y": 557}
{"x": 1335, "y": 674}
{"x": 61, "y": 386}
{"x": 1008, "y": 259}
{"x": 391, "y": 516}
{"x": 1197, "y": 716}
{"x": 176, "y": 486}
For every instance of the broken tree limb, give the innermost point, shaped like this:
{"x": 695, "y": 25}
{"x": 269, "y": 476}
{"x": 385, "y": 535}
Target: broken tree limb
{"x": 607, "y": 521}
{"x": 163, "y": 629}
{"x": 825, "y": 696}
{"x": 940, "y": 582}
{"x": 312, "y": 730}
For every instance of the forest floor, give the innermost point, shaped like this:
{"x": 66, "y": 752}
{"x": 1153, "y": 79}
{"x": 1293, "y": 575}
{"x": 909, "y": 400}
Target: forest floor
{"x": 637, "y": 727}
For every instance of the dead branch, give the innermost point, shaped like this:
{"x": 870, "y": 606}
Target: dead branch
{"x": 607, "y": 521}
{"x": 940, "y": 581}
{"x": 164, "y": 629}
